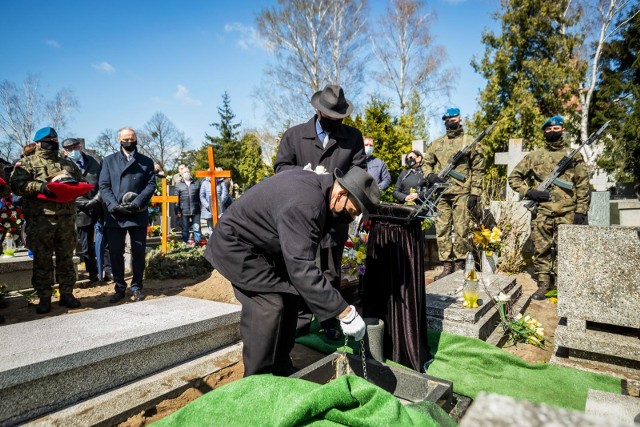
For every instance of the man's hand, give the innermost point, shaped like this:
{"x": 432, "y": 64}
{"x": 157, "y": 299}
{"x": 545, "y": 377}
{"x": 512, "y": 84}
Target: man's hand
{"x": 411, "y": 197}
{"x": 92, "y": 205}
{"x": 121, "y": 209}
{"x": 472, "y": 202}
{"x": 580, "y": 219}
{"x": 538, "y": 196}
{"x": 353, "y": 325}
{"x": 434, "y": 179}
{"x": 321, "y": 170}
{"x": 44, "y": 190}
{"x": 132, "y": 207}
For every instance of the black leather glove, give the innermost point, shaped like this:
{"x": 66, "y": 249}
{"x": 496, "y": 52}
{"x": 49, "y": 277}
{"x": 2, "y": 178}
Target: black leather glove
{"x": 133, "y": 208}
{"x": 580, "y": 219}
{"x": 434, "y": 179}
{"x": 121, "y": 209}
{"x": 472, "y": 202}
{"x": 92, "y": 204}
{"x": 44, "y": 190}
{"x": 538, "y": 196}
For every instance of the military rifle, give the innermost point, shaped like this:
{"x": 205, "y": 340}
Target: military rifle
{"x": 446, "y": 172}
{"x": 553, "y": 177}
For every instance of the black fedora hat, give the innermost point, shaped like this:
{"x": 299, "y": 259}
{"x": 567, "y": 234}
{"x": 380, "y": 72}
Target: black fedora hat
{"x": 361, "y": 186}
{"x": 331, "y": 102}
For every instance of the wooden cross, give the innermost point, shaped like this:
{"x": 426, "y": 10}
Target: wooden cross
{"x": 511, "y": 158}
{"x": 212, "y": 173}
{"x": 164, "y": 200}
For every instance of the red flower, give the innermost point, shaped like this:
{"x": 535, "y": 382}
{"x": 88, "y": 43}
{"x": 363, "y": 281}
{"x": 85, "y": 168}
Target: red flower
{"x": 13, "y": 219}
{"x": 13, "y": 229}
{"x": 349, "y": 244}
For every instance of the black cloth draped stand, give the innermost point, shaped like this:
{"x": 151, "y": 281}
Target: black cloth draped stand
{"x": 394, "y": 288}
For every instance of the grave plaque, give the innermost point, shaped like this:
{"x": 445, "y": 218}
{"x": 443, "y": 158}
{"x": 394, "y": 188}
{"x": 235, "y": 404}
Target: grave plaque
{"x": 599, "y": 210}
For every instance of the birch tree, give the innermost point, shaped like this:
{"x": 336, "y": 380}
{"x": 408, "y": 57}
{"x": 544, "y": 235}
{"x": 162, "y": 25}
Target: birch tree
{"x": 315, "y": 43}
{"x": 410, "y": 61}
{"x": 162, "y": 141}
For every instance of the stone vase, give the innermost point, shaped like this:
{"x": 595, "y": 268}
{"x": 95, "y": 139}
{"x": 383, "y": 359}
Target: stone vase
{"x": 374, "y": 339}
{"x": 489, "y": 263}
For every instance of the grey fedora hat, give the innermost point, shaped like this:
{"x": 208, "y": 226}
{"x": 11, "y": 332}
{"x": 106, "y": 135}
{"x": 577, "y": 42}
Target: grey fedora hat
{"x": 361, "y": 186}
{"x": 331, "y": 102}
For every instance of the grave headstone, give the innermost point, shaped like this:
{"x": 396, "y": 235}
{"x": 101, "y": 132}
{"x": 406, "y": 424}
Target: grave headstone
{"x": 600, "y": 210}
{"x": 511, "y": 158}
{"x": 612, "y": 406}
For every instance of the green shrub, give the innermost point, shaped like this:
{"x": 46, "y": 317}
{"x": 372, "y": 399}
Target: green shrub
{"x": 180, "y": 262}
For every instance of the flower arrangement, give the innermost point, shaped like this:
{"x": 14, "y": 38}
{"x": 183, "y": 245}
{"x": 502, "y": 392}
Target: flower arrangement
{"x": 11, "y": 217}
{"x": 153, "y": 230}
{"x": 488, "y": 240}
{"x": 355, "y": 254}
{"x": 521, "y": 329}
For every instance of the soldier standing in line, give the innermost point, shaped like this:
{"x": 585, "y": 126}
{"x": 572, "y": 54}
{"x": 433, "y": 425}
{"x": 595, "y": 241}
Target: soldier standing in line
{"x": 459, "y": 200}
{"x": 51, "y": 225}
{"x": 557, "y": 206}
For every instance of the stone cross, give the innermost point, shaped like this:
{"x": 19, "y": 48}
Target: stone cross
{"x": 164, "y": 200}
{"x": 511, "y": 158}
{"x": 212, "y": 173}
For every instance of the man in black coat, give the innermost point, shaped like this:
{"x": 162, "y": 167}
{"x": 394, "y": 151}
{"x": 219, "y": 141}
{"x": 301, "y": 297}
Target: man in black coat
{"x": 127, "y": 183}
{"x": 88, "y": 204}
{"x": 188, "y": 207}
{"x": 324, "y": 144}
{"x": 266, "y": 244}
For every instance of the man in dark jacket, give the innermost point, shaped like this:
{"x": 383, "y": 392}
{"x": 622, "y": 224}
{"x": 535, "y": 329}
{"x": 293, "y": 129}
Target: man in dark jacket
{"x": 324, "y": 144}
{"x": 266, "y": 244}
{"x": 188, "y": 207}
{"x": 88, "y": 205}
{"x": 127, "y": 183}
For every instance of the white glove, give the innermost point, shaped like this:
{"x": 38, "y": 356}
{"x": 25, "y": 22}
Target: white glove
{"x": 321, "y": 170}
{"x": 307, "y": 167}
{"x": 353, "y": 325}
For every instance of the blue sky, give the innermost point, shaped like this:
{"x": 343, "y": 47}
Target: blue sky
{"x": 126, "y": 60}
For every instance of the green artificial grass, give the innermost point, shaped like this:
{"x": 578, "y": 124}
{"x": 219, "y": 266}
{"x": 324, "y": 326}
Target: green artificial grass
{"x": 265, "y": 400}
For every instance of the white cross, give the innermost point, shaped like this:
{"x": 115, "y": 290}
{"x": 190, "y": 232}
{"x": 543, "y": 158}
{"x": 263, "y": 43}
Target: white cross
{"x": 511, "y": 158}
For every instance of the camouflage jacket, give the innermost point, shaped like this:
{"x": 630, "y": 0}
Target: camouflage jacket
{"x": 536, "y": 167}
{"x": 471, "y": 166}
{"x": 28, "y": 176}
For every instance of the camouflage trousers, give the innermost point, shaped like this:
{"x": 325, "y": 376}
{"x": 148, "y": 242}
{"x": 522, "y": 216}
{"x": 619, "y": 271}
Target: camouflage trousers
{"x": 46, "y": 235}
{"x": 544, "y": 235}
{"x": 453, "y": 213}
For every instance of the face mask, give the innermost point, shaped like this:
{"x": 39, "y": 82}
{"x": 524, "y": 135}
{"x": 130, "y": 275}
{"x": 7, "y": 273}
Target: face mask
{"x": 410, "y": 162}
{"x": 129, "y": 145}
{"x": 343, "y": 216}
{"x": 329, "y": 125}
{"x": 368, "y": 150}
{"x": 553, "y": 136}
{"x": 452, "y": 125}
{"x": 49, "y": 145}
{"x": 74, "y": 155}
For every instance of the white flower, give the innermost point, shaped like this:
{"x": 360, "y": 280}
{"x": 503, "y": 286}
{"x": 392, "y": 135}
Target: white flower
{"x": 518, "y": 316}
{"x": 502, "y": 297}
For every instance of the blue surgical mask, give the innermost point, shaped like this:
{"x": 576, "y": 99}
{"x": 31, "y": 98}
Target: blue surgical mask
{"x": 74, "y": 155}
{"x": 368, "y": 150}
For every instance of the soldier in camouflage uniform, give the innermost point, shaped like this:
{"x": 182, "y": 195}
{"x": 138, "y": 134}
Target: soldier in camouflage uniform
{"x": 557, "y": 206}
{"x": 459, "y": 200}
{"x": 50, "y": 225}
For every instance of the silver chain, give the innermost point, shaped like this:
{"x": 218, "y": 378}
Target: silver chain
{"x": 364, "y": 361}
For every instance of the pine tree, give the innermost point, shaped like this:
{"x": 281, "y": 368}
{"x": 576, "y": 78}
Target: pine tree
{"x": 227, "y": 146}
{"x": 617, "y": 98}
{"x": 531, "y": 73}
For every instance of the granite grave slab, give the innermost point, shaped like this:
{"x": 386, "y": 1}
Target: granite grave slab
{"x": 54, "y": 362}
{"x": 624, "y": 409}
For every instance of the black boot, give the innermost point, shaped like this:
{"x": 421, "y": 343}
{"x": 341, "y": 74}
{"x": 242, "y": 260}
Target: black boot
{"x": 458, "y": 265}
{"x": 69, "y": 301}
{"x": 446, "y": 270}
{"x": 543, "y": 288}
{"x": 44, "y": 305}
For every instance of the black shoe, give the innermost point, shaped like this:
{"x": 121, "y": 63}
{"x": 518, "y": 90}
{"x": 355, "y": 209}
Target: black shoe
{"x": 44, "y": 305}
{"x": 108, "y": 277}
{"x": 543, "y": 288}
{"x": 137, "y": 295}
{"x": 69, "y": 301}
{"x": 116, "y": 297}
{"x": 94, "y": 279}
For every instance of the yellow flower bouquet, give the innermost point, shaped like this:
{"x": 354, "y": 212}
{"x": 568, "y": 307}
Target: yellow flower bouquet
{"x": 488, "y": 240}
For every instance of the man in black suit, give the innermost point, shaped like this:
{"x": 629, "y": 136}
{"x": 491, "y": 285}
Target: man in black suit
{"x": 324, "y": 144}
{"x": 127, "y": 183}
{"x": 87, "y": 204}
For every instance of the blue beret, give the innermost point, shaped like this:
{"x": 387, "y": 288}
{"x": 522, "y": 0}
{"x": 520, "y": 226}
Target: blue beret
{"x": 553, "y": 121}
{"x": 45, "y": 133}
{"x": 451, "y": 112}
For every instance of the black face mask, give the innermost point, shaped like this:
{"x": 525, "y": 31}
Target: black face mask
{"x": 553, "y": 136}
{"x": 410, "y": 162}
{"x": 49, "y": 145}
{"x": 129, "y": 145}
{"x": 343, "y": 216}
{"x": 452, "y": 125}
{"x": 329, "y": 125}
